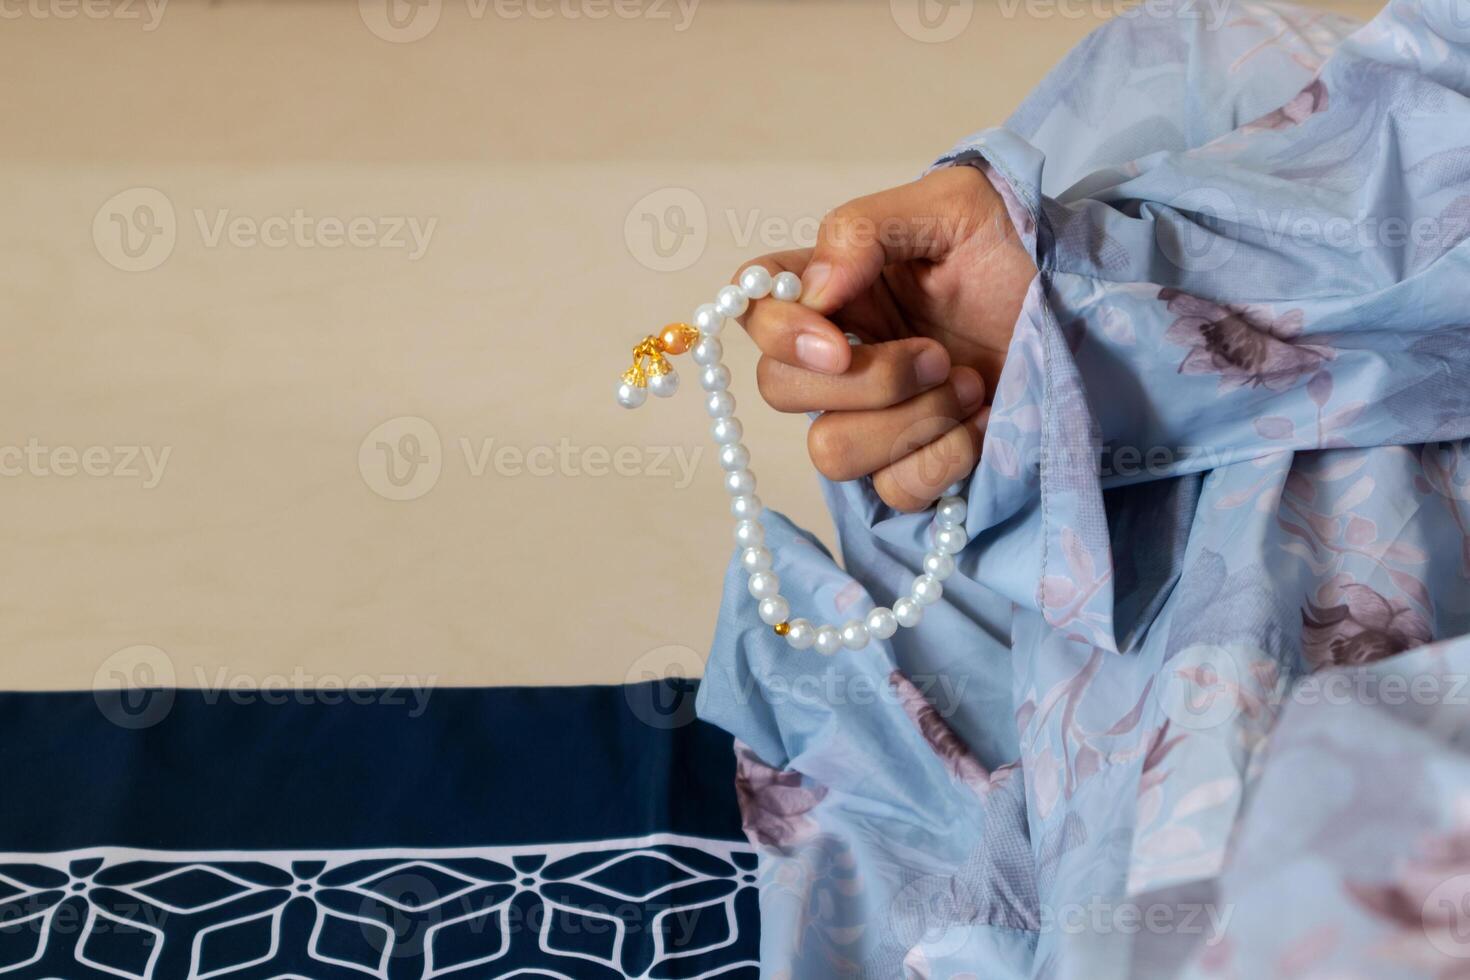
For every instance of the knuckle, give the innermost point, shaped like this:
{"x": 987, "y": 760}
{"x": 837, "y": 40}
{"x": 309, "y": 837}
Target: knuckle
{"x": 891, "y": 375}
{"x": 919, "y": 434}
{"x": 828, "y": 448}
{"x": 839, "y": 223}
{"x": 891, "y": 490}
{"x": 946, "y": 460}
{"x": 947, "y": 407}
{"x": 938, "y": 460}
{"x": 772, "y": 391}
{"x": 764, "y": 323}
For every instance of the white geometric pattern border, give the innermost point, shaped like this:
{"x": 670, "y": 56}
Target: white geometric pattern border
{"x": 630, "y": 906}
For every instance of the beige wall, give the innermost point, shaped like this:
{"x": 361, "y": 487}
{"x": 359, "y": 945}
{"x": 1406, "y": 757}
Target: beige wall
{"x": 530, "y": 152}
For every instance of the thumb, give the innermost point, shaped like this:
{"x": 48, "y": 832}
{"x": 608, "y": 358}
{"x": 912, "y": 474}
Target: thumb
{"x": 921, "y": 220}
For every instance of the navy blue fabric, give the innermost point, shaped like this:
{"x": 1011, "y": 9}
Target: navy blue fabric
{"x": 584, "y": 832}
{"x": 478, "y": 766}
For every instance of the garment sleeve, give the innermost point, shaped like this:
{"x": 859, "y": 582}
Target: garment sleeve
{"x": 1299, "y": 282}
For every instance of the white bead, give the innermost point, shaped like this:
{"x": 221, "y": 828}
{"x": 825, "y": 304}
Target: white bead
{"x": 927, "y": 589}
{"x": 951, "y": 510}
{"x": 774, "y": 610}
{"x": 708, "y": 320}
{"x": 726, "y": 430}
{"x": 745, "y": 507}
{"x": 882, "y": 623}
{"x": 854, "y": 634}
{"x": 763, "y": 585}
{"x": 708, "y": 351}
{"x": 755, "y": 282}
{"x": 730, "y": 301}
{"x": 908, "y": 611}
{"x": 940, "y": 566}
{"x": 631, "y": 396}
{"x": 716, "y": 377}
{"x": 740, "y": 483}
{"x": 664, "y": 385}
{"x": 787, "y": 286}
{"x": 749, "y": 534}
{"x": 757, "y": 559}
{"x": 949, "y": 540}
{"x": 801, "y": 635}
{"x": 734, "y": 457}
{"x": 829, "y": 641}
{"x": 719, "y": 404}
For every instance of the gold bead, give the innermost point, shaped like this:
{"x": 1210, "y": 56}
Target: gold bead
{"x": 782, "y": 628}
{"x": 676, "y": 338}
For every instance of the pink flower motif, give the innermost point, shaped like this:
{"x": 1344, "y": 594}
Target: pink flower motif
{"x": 1244, "y": 345}
{"x": 951, "y": 750}
{"x": 1427, "y": 898}
{"x": 1307, "y": 103}
{"x": 1360, "y": 627}
{"x": 773, "y": 803}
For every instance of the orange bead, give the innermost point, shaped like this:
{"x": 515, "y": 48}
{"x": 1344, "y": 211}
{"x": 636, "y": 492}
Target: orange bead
{"x": 676, "y": 338}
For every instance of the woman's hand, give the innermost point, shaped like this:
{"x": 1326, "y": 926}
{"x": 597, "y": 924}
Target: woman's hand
{"x": 931, "y": 276}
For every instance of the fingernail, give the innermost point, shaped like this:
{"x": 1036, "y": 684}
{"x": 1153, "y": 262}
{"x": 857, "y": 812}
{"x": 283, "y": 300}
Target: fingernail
{"x": 813, "y": 280}
{"x": 969, "y": 390}
{"x": 818, "y": 352}
{"x": 931, "y": 366}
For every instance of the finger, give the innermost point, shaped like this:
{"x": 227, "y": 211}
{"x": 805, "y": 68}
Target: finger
{"x": 919, "y": 220}
{"x": 847, "y": 445}
{"x": 791, "y": 333}
{"x": 880, "y": 375}
{"x": 798, "y": 337}
{"x": 917, "y": 480}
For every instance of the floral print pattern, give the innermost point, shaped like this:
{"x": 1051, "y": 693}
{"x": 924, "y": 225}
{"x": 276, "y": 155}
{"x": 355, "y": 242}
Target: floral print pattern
{"x": 955, "y": 754}
{"x": 1359, "y": 626}
{"x": 1244, "y": 345}
{"x": 1426, "y": 904}
{"x": 774, "y": 805}
{"x": 1310, "y": 101}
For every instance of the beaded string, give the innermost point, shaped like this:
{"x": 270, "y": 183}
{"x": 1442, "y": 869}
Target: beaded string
{"x": 651, "y": 371}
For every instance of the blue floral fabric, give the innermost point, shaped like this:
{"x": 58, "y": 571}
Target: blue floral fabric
{"x": 1193, "y": 703}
